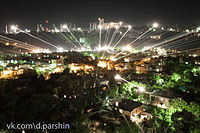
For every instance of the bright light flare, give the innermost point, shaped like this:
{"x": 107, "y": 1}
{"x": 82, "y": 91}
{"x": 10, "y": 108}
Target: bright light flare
{"x": 116, "y": 103}
{"x": 146, "y": 48}
{"x": 116, "y": 27}
{"x": 60, "y": 50}
{"x": 100, "y": 27}
{"x": 7, "y": 43}
{"x": 126, "y": 60}
{"x": 56, "y": 30}
{"x": 105, "y": 47}
{"x": 155, "y": 25}
{"x": 127, "y": 48}
{"x": 112, "y": 58}
{"x": 129, "y": 27}
{"x": 194, "y": 55}
{"x": 121, "y": 111}
{"x": 161, "y": 51}
{"x": 41, "y": 51}
{"x": 141, "y": 89}
{"x": 133, "y": 119}
{"x": 117, "y": 77}
{"x": 102, "y": 64}
{"x": 111, "y": 23}
{"x": 36, "y": 51}
{"x": 65, "y": 26}
{"x": 82, "y": 49}
{"x": 13, "y": 27}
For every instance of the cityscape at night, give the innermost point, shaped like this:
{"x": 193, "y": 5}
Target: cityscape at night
{"x": 99, "y": 66}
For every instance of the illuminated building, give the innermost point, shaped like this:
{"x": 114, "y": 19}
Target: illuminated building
{"x": 105, "y": 64}
{"x": 74, "y": 68}
{"x": 10, "y": 74}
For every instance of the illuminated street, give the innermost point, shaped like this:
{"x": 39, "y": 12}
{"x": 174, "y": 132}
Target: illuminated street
{"x": 102, "y": 67}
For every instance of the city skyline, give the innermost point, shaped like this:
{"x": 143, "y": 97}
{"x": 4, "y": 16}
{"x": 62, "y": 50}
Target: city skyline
{"x": 99, "y": 66}
{"x": 30, "y": 13}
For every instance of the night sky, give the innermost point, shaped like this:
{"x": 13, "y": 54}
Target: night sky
{"x": 136, "y": 12}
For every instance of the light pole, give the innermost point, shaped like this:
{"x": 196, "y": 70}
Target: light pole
{"x": 141, "y": 89}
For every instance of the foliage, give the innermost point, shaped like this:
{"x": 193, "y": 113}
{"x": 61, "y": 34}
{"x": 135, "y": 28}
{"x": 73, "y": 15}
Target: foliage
{"x": 126, "y": 128}
{"x": 176, "y": 77}
{"x": 114, "y": 91}
{"x": 1, "y": 68}
{"x": 61, "y": 98}
{"x": 129, "y": 89}
{"x": 177, "y": 114}
{"x": 81, "y": 124}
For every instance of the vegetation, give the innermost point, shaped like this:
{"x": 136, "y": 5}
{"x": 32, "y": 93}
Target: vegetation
{"x": 82, "y": 100}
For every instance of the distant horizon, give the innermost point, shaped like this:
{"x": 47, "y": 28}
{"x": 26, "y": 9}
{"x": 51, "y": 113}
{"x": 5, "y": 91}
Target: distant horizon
{"x": 34, "y": 26}
{"x": 137, "y": 12}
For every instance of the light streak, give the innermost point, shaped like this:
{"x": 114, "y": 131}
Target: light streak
{"x": 35, "y": 37}
{"x": 122, "y": 36}
{"x": 107, "y": 35}
{"x": 73, "y": 35}
{"x": 100, "y": 28}
{"x": 19, "y": 43}
{"x": 171, "y": 39}
{"x": 114, "y": 33}
{"x": 66, "y": 39}
{"x": 140, "y": 36}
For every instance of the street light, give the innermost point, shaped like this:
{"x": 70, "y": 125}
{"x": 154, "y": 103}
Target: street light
{"x": 155, "y": 25}
{"x": 121, "y": 111}
{"x": 117, "y": 77}
{"x": 117, "y": 104}
{"x": 65, "y": 26}
{"x": 141, "y": 89}
{"x": 13, "y": 27}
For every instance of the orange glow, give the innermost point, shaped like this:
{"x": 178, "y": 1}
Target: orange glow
{"x": 58, "y": 70}
{"x": 104, "y": 88}
{"x": 146, "y": 59}
{"x": 74, "y": 68}
{"x": 47, "y": 29}
{"x": 7, "y": 44}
